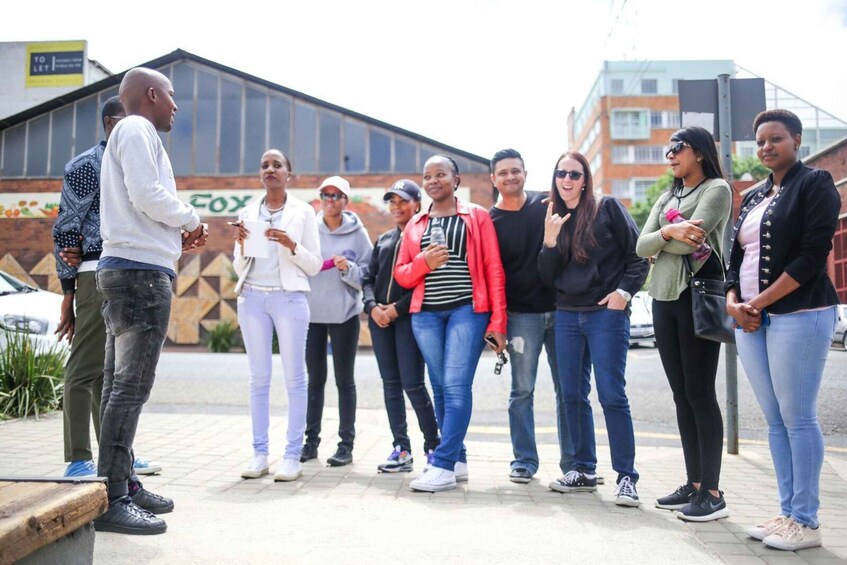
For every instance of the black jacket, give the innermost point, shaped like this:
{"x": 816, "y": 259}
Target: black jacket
{"x": 612, "y": 263}
{"x": 379, "y": 285}
{"x": 796, "y": 238}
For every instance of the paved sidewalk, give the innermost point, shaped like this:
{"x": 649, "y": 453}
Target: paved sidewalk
{"x": 354, "y": 515}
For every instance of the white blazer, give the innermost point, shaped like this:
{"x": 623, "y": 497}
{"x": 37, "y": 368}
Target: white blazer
{"x": 298, "y": 220}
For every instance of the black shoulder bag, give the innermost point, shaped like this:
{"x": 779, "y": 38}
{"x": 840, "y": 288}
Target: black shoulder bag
{"x": 708, "y": 306}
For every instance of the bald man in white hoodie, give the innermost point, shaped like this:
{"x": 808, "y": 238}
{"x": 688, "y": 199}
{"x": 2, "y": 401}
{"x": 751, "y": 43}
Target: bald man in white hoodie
{"x": 145, "y": 229}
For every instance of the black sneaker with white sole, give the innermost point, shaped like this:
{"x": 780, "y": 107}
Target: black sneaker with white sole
{"x": 625, "y": 493}
{"x": 125, "y": 517}
{"x": 575, "y": 481}
{"x": 704, "y": 508}
{"x": 678, "y": 498}
{"x": 520, "y": 475}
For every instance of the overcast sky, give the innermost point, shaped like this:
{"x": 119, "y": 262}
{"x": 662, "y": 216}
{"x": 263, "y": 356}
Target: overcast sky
{"x": 478, "y": 75}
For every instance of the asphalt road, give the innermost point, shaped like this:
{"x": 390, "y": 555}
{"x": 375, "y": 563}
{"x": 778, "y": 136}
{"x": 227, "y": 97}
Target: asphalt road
{"x": 217, "y": 383}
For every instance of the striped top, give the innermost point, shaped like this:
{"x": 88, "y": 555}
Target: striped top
{"x": 450, "y": 286}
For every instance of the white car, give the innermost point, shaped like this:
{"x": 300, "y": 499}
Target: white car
{"x": 839, "y": 336}
{"x": 28, "y": 310}
{"x": 641, "y": 320}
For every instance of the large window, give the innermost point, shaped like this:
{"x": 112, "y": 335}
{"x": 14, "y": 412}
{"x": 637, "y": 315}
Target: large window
{"x": 649, "y": 86}
{"x": 630, "y": 124}
{"x": 223, "y": 125}
{"x": 634, "y": 190}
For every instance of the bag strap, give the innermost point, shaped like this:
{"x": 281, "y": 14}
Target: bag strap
{"x": 687, "y": 260}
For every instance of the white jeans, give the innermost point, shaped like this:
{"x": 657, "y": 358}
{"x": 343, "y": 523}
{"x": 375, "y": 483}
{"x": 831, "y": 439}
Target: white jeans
{"x": 259, "y": 312}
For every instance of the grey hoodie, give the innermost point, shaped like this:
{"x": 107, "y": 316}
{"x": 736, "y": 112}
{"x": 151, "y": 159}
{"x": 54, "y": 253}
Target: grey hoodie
{"x": 337, "y": 296}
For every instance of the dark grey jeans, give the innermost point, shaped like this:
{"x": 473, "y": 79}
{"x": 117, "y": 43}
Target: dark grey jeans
{"x": 136, "y": 312}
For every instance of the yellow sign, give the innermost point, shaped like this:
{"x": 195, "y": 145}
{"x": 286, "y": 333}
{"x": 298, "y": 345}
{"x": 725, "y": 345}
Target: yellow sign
{"x": 55, "y": 63}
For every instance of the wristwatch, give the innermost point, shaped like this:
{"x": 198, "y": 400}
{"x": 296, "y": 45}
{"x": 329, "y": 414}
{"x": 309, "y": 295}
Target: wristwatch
{"x": 626, "y": 296}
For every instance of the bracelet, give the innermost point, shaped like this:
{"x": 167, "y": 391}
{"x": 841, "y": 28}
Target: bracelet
{"x": 662, "y": 233}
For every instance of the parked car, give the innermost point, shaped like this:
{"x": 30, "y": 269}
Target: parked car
{"x": 839, "y": 336}
{"x": 641, "y": 320}
{"x": 28, "y": 310}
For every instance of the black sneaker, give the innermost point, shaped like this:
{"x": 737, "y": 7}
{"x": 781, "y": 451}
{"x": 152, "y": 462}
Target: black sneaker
{"x": 125, "y": 517}
{"x": 309, "y": 451}
{"x": 575, "y": 481}
{"x": 704, "y": 508}
{"x": 519, "y": 475}
{"x": 152, "y": 502}
{"x": 343, "y": 456}
{"x": 678, "y": 498}
{"x": 626, "y": 494}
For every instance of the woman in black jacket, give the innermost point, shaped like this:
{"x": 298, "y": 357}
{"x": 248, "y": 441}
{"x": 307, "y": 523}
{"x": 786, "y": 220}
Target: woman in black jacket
{"x": 589, "y": 258}
{"x": 783, "y": 303}
{"x": 398, "y": 357}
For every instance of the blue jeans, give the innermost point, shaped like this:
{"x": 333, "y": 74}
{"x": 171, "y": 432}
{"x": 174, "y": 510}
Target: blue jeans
{"x": 528, "y": 333}
{"x": 601, "y": 336}
{"x": 136, "y": 312}
{"x": 451, "y": 343}
{"x": 784, "y": 363}
{"x": 401, "y": 367}
{"x": 259, "y": 312}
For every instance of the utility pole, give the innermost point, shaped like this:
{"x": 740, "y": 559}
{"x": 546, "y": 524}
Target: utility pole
{"x": 730, "y": 352}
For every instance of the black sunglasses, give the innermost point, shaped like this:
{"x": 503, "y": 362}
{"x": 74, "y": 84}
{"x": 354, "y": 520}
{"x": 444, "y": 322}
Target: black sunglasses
{"x": 675, "y": 148}
{"x": 574, "y": 175}
{"x": 331, "y": 196}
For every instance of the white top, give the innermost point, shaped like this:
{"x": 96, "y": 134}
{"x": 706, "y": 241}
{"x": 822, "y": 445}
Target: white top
{"x": 750, "y": 241}
{"x": 140, "y": 214}
{"x": 294, "y": 269}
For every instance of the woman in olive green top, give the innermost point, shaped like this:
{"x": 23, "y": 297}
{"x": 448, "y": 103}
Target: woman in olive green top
{"x": 704, "y": 199}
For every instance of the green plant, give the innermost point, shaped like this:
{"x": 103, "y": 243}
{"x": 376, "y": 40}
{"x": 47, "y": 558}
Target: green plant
{"x": 222, "y": 337}
{"x": 31, "y": 376}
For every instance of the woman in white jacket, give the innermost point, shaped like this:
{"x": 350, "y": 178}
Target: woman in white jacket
{"x": 272, "y": 294}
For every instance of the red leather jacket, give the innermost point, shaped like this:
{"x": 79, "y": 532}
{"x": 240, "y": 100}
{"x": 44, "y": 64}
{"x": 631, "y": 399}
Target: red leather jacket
{"x": 486, "y": 269}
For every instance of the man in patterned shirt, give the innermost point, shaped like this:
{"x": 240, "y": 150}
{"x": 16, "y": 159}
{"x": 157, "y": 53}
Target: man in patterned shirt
{"x": 77, "y": 247}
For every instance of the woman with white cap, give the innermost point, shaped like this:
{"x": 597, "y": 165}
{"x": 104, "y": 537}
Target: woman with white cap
{"x": 401, "y": 365}
{"x": 335, "y": 304}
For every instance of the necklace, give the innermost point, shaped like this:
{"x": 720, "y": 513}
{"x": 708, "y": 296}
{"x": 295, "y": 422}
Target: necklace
{"x": 274, "y": 210}
{"x": 678, "y": 194}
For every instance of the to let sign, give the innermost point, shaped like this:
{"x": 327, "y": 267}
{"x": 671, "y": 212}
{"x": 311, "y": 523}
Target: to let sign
{"x": 55, "y": 63}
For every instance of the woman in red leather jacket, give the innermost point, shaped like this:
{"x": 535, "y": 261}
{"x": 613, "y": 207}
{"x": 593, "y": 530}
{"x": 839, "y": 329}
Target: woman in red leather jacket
{"x": 449, "y": 256}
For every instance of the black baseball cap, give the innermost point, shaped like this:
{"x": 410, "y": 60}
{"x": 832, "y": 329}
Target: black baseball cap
{"x": 405, "y": 189}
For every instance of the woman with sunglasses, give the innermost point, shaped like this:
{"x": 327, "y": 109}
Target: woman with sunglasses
{"x": 449, "y": 256}
{"x": 783, "y": 303}
{"x": 335, "y": 303}
{"x": 401, "y": 365}
{"x": 588, "y": 257}
{"x": 272, "y": 296}
{"x": 704, "y": 199}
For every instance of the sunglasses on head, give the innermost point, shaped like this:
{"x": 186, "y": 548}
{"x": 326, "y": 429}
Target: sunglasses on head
{"x": 675, "y": 148}
{"x": 574, "y": 175}
{"x": 331, "y": 196}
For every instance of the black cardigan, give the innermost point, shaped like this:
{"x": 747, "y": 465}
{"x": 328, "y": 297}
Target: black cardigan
{"x": 795, "y": 238}
{"x": 612, "y": 263}
{"x": 379, "y": 285}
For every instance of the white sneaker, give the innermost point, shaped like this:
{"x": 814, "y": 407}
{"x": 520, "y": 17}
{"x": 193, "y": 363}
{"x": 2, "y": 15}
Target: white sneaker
{"x": 793, "y": 536}
{"x": 435, "y": 480}
{"x": 461, "y": 471}
{"x": 289, "y": 470}
{"x": 258, "y": 467}
{"x": 762, "y": 531}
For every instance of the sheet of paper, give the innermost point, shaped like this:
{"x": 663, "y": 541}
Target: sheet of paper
{"x": 256, "y": 244}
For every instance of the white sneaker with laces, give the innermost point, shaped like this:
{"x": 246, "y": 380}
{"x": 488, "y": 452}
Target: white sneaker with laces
{"x": 435, "y": 480}
{"x": 258, "y": 467}
{"x": 762, "y": 531}
{"x": 625, "y": 493}
{"x": 461, "y": 471}
{"x": 793, "y": 536}
{"x": 289, "y": 470}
